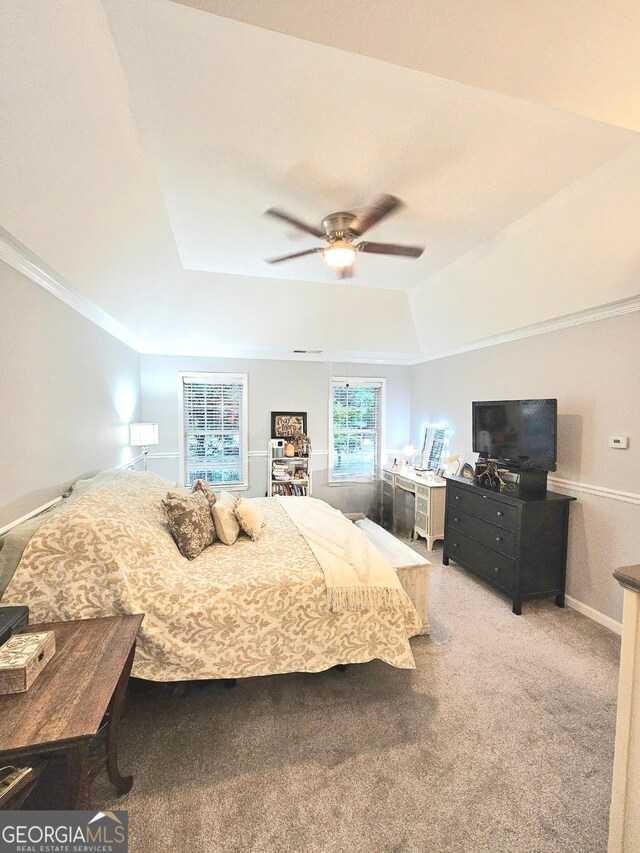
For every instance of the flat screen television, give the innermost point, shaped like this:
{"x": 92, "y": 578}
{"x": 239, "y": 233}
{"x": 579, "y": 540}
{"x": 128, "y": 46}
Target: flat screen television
{"x": 519, "y": 433}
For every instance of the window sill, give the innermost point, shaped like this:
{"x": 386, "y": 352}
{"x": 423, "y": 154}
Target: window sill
{"x": 218, "y": 487}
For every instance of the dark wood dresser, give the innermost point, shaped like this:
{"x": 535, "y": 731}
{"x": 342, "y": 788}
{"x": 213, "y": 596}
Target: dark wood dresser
{"x": 517, "y": 545}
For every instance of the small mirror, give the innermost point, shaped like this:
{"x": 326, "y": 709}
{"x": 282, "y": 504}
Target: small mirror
{"x": 432, "y": 447}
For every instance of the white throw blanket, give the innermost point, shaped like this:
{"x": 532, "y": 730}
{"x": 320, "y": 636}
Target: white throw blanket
{"x": 357, "y": 575}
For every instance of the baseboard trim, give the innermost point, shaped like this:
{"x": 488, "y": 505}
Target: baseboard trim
{"x": 594, "y": 614}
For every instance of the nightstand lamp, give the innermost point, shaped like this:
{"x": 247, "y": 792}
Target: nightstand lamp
{"x": 143, "y": 435}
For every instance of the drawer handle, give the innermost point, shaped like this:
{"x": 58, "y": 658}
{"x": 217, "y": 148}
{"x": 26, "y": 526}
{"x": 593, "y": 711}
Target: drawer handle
{"x": 456, "y": 544}
{"x": 496, "y": 568}
{"x": 457, "y": 497}
{"x": 499, "y": 512}
{"x": 456, "y": 519}
{"x": 498, "y": 538}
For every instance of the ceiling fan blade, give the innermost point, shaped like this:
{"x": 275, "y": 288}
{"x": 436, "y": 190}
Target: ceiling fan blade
{"x": 382, "y": 207}
{"x": 292, "y": 220}
{"x": 295, "y": 255}
{"x": 390, "y": 249}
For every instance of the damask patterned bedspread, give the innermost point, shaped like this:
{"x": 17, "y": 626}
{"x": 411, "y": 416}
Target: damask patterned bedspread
{"x": 253, "y": 608}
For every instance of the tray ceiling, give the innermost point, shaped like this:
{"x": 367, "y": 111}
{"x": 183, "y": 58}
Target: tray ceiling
{"x": 144, "y": 139}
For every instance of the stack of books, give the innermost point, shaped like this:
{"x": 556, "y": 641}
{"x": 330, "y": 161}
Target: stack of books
{"x": 289, "y": 490}
{"x": 281, "y": 470}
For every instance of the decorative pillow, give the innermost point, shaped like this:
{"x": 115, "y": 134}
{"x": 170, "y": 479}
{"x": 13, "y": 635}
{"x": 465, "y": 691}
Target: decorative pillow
{"x": 204, "y": 487}
{"x": 227, "y": 526}
{"x": 190, "y": 521}
{"x": 250, "y": 518}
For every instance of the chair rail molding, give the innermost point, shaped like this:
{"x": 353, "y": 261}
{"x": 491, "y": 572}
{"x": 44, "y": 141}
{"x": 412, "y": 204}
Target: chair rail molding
{"x": 599, "y": 491}
{"x": 7, "y": 527}
{"x": 251, "y": 453}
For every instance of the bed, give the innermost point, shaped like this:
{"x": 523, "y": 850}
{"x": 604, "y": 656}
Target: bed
{"x": 253, "y": 608}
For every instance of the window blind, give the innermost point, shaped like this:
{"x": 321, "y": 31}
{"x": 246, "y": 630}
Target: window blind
{"x": 214, "y": 429}
{"x": 356, "y": 428}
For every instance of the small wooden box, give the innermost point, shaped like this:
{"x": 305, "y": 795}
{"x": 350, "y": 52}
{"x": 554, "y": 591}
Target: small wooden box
{"x": 22, "y": 659}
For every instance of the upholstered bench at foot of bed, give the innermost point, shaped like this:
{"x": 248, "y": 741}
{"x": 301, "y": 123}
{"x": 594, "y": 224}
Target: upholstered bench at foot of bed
{"x": 412, "y": 569}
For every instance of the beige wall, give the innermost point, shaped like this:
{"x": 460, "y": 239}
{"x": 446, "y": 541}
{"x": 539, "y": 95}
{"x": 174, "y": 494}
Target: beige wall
{"x": 67, "y": 391}
{"x": 593, "y": 371}
{"x": 276, "y": 386}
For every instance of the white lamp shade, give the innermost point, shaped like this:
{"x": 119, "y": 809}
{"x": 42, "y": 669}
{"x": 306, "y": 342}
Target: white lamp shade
{"x": 339, "y": 255}
{"x": 143, "y": 435}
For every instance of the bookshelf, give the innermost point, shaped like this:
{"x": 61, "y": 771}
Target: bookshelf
{"x": 288, "y": 476}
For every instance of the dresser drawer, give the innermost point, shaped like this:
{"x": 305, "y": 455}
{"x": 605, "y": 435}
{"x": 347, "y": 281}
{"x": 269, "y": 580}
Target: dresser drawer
{"x": 482, "y": 531}
{"x": 495, "y": 567}
{"x": 422, "y": 505}
{"x": 422, "y": 491}
{"x": 387, "y": 477}
{"x": 483, "y": 506}
{"x": 405, "y": 483}
{"x": 422, "y": 521}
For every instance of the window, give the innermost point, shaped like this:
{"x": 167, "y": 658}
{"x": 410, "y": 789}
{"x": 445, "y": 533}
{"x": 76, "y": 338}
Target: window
{"x": 356, "y": 429}
{"x": 214, "y": 428}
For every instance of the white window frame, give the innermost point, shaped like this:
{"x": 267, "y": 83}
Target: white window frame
{"x": 244, "y": 429}
{"x": 358, "y": 380}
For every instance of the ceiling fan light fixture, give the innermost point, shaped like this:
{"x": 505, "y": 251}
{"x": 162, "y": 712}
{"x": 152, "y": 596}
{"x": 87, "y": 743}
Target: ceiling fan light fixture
{"x": 339, "y": 254}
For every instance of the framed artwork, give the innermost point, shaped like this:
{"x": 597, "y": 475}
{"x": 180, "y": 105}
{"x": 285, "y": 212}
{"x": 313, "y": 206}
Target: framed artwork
{"x": 288, "y": 424}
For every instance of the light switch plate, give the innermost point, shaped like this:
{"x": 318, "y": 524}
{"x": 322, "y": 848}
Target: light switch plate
{"x": 619, "y": 442}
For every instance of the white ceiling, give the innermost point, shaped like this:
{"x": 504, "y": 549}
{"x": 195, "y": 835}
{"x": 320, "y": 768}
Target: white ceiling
{"x": 145, "y": 138}
{"x": 578, "y": 55}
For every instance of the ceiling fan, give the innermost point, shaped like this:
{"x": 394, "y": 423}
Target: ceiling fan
{"x": 341, "y": 229}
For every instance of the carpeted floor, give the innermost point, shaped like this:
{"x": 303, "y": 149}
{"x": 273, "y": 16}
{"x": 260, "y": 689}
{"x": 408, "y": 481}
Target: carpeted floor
{"x": 501, "y": 741}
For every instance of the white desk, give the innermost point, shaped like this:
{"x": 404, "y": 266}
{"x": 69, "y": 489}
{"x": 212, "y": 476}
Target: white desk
{"x": 429, "y": 494}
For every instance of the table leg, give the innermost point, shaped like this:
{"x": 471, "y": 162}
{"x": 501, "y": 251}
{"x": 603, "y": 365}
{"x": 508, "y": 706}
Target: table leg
{"x": 77, "y": 793}
{"x": 121, "y": 783}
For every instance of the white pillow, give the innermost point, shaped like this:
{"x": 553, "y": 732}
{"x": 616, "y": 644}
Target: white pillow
{"x": 250, "y": 518}
{"x": 226, "y": 523}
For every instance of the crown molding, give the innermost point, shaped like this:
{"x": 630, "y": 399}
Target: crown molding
{"x": 567, "y": 321}
{"x": 16, "y": 255}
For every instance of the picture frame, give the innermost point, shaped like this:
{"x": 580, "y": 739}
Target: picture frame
{"x": 287, "y": 424}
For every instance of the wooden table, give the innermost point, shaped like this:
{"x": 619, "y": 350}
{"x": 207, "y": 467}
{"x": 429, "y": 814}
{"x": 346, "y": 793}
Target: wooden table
{"x": 78, "y": 696}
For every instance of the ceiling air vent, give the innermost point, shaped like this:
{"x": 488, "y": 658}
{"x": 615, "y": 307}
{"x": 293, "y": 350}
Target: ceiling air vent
{"x": 308, "y": 351}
